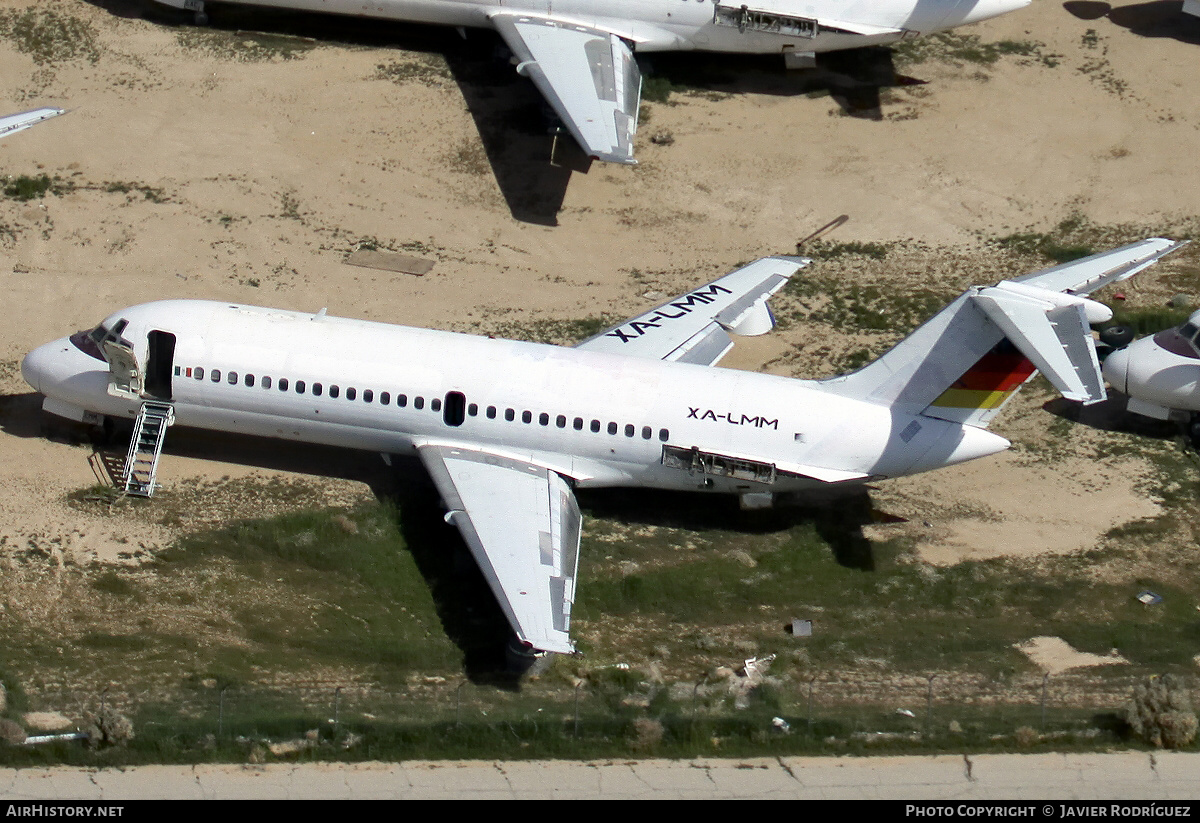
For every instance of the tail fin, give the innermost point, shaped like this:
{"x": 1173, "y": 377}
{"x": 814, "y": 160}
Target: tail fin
{"x": 969, "y": 359}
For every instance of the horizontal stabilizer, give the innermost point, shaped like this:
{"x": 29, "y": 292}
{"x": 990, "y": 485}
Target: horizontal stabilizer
{"x": 1056, "y": 338}
{"x": 1088, "y": 274}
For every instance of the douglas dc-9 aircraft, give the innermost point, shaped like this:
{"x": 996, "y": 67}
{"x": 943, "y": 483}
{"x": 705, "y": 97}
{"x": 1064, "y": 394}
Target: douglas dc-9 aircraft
{"x": 13, "y": 123}
{"x": 508, "y": 429}
{"x": 579, "y": 53}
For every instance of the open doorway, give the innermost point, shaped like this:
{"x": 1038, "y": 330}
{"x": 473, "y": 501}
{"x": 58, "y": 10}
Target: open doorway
{"x": 160, "y": 364}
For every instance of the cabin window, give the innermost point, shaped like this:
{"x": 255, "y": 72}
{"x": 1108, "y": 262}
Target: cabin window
{"x": 385, "y": 398}
{"x": 317, "y": 388}
{"x": 509, "y": 415}
{"x": 283, "y": 384}
{"x": 215, "y": 375}
{"x": 491, "y": 412}
{"x": 629, "y": 430}
{"x": 473, "y": 410}
{"x": 578, "y": 424}
{"x": 543, "y": 419}
{"x": 231, "y": 378}
{"x": 299, "y": 387}
{"x": 248, "y": 380}
{"x": 526, "y": 417}
{"x": 647, "y": 432}
{"x": 418, "y": 402}
{"x": 266, "y": 383}
{"x": 456, "y": 404}
{"x": 435, "y": 404}
{"x": 595, "y": 426}
{"x": 664, "y": 435}
{"x": 561, "y": 421}
{"x": 368, "y": 395}
{"x": 198, "y": 373}
{"x": 612, "y": 428}
{"x": 178, "y": 371}
{"x": 350, "y": 393}
{"x": 334, "y": 391}
{"x": 402, "y": 400}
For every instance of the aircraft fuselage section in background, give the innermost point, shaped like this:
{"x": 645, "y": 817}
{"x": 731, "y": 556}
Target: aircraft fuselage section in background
{"x": 685, "y": 25}
{"x": 597, "y": 418}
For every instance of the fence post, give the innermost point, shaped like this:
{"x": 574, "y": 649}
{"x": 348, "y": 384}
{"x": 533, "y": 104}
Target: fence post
{"x": 221, "y": 713}
{"x": 929, "y": 707}
{"x": 337, "y": 705}
{"x": 578, "y": 686}
{"x": 811, "y": 681}
{"x": 1045, "y": 682}
{"x": 458, "y": 704}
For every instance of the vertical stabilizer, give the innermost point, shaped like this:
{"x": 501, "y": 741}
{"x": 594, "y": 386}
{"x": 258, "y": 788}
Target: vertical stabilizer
{"x": 968, "y": 360}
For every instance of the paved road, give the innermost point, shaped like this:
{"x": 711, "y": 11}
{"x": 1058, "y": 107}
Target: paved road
{"x": 1127, "y": 776}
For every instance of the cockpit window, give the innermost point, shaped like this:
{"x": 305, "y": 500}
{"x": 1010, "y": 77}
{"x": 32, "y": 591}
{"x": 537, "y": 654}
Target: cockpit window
{"x": 1188, "y": 330}
{"x": 86, "y": 343}
{"x": 91, "y": 342}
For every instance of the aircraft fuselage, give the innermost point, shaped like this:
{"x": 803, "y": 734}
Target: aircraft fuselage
{"x": 686, "y": 25}
{"x": 599, "y": 419}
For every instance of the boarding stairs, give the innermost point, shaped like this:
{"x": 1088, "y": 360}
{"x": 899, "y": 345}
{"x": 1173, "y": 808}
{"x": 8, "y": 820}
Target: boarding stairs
{"x": 141, "y": 461}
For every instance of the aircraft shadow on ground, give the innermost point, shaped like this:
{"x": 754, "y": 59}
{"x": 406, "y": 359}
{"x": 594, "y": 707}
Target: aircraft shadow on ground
{"x": 854, "y": 78}
{"x": 470, "y": 615}
{"x": 1111, "y": 415}
{"x": 1160, "y": 18}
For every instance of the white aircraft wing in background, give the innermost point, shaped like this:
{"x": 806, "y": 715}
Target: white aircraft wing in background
{"x": 588, "y": 76}
{"x": 17, "y": 122}
{"x": 695, "y": 327}
{"x": 522, "y": 525}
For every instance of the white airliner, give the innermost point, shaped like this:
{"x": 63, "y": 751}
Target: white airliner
{"x": 13, "y": 123}
{"x": 1161, "y": 373}
{"x": 508, "y": 429}
{"x": 579, "y": 53}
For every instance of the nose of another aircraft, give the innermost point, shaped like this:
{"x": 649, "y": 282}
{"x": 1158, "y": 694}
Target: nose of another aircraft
{"x": 1116, "y": 369}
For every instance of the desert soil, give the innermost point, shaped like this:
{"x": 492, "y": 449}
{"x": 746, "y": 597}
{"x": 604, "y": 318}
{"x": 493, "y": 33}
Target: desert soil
{"x": 247, "y": 176}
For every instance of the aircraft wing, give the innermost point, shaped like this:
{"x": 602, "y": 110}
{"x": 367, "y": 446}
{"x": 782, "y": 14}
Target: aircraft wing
{"x": 589, "y": 76}
{"x": 1090, "y": 273}
{"x": 16, "y": 122}
{"x": 522, "y": 525}
{"x": 695, "y": 327}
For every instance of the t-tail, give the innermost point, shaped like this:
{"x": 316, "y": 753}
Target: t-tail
{"x": 964, "y": 363}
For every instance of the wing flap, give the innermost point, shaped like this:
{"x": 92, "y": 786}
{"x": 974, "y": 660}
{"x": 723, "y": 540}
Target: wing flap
{"x": 695, "y": 327}
{"x": 523, "y": 526}
{"x": 588, "y": 76}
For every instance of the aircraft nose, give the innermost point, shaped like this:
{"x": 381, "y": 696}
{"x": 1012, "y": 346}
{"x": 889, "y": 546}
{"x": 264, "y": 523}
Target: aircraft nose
{"x": 51, "y": 369}
{"x": 1116, "y": 369}
{"x": 39, "y": 364}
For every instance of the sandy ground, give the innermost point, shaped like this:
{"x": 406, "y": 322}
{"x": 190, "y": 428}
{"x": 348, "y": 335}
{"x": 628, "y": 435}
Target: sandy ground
{"x": 249, "y": 177}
